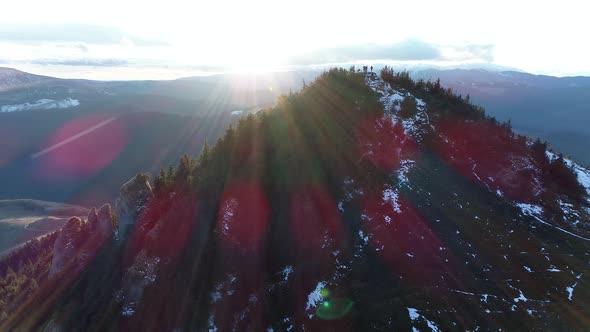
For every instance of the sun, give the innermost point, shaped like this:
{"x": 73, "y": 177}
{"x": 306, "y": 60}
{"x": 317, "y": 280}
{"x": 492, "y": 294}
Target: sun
{"x": 255, "y": 62}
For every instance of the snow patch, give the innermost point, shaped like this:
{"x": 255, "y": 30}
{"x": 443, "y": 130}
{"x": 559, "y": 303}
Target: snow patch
{"x": 215, "y": 296}
{"x": 211, "y": 322}
{"x": 402, "y": 173}
{"x": 391, "y": 100}
{"x": 414, "y": 316}
{"x": 535, "y": 210}
{"x": 582, "y": 173}
{"x": 420, "y": 103}
{"x": 570, "y": 289}
{"x": 530, "y": 209}
{"x": 364, "y": 237}
{"x": 228, "y": 211}
{"x": 391, "y": 196}
{"x": 41, "y": 104}
{"x": 315, "y": 296}
{"x": 287, "y": 271}
{"x": 127, "y": 311}
{"x": 520, "y": 297}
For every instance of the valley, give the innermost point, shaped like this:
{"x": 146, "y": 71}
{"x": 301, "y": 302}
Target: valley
{"x": 25, "y": 219}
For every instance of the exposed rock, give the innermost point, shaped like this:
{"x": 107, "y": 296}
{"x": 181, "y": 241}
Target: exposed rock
{"x": 105, "y": 223}
{"x": 53, "y": 326}
{"x": 133, "y": 197}
{"x": 136, "y": 278}
{"x": 65, "y": 247}
{"x": 78, "y": 240}
{"x": 93, "y": 219}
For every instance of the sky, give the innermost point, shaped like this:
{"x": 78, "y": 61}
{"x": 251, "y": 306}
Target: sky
{"x": 114, "y": 39}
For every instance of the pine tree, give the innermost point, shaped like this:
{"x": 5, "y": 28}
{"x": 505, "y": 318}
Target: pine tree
{"x": 564, "y": 180}
{"x": 538, "y": 150}
{"x": 408, "y": 108}
{"x": 170, "y": 174}
{"x": 160, "y": 182}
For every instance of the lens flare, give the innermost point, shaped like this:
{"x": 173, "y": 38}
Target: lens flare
{"x": 485, "y": 153}
{"x": 335, "y": 308}
{"x": 402, "y": 238}
{"x": 243, "y": 216}
{"x": 80, "y": 148}
{"x": 316, "y": 225}
{"x": 383, "y": 142}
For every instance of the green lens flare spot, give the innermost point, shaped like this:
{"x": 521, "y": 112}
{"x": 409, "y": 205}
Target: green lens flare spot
{"x": 336, "y": 308}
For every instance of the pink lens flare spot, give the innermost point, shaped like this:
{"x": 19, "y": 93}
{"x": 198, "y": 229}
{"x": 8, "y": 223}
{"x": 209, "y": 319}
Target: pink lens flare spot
{"x": 81, "y": 147}
{"x": 315, "y": 222}
{"x": 402, "y": 238}
{"x": 488, "y": 155}
{"x": 243, "y": 216}
{"x": 383, "y": 142}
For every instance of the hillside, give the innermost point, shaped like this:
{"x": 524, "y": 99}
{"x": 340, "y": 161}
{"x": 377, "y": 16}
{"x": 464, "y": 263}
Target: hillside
{"x": 556, "y": 109}
{"x": 362, "y": 202}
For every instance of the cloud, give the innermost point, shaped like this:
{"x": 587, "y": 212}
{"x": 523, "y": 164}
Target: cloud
{"x": 411, "y": 49}
{"x": 479, "y": 52}
{"x": 82, "y": 62}
{"x": 69, "y": 33}
{"x": 407, "y": 50}
{"x": 148, "y": 42}
{"x": 80, "y": 47}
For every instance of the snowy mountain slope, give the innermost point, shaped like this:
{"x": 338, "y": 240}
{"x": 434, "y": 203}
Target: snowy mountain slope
{"x": 465, "y": 264}
{"x": 11, "y": 79}
{"x": 542, "y": 257}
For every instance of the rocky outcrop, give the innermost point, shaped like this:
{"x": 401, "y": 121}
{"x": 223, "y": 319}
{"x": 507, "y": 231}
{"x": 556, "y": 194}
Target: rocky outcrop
{"x": 133, "y": 198}
{"x": 66, "y": 245}
{"x": 93, "y": 219}
{"x": 79, "y": 240}
{"x": 53, "y": 326}
{"x": 105, "y": 222}
{"x": 137, "y": 277}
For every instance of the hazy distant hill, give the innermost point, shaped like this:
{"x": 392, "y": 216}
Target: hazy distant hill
{"x": 158, "y": 121}
{"x": 193, "y": 94}
{"x": 12, "y": 79}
